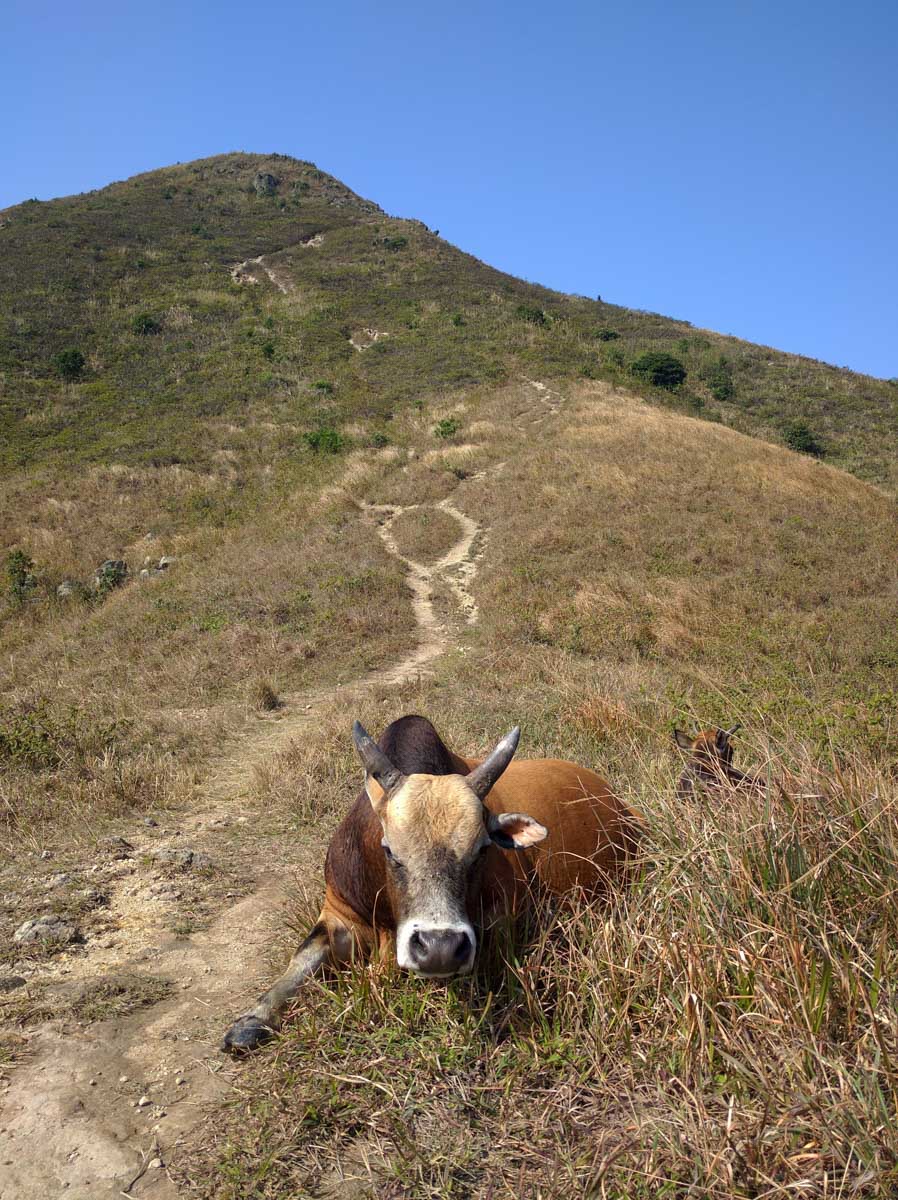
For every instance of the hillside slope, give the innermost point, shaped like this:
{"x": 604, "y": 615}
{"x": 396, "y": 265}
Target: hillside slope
{"x": 448, "y": 517}
{"x": 143, "y": 278}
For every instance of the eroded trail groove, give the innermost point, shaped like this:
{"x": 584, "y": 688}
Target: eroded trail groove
{"x": 98, "y": 1112}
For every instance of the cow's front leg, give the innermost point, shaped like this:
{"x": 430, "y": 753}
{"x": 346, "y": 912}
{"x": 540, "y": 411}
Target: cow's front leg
{"x": 331, "y": 941}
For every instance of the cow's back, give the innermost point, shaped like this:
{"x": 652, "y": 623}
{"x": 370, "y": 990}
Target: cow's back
{"x": 592, "y": 834}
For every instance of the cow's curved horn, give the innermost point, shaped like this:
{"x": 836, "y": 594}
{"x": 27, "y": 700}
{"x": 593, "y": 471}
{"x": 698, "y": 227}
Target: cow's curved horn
{"x": 482, "y": 778}
{"x": 375, "y": 761}
{"x": 735, "y": 729}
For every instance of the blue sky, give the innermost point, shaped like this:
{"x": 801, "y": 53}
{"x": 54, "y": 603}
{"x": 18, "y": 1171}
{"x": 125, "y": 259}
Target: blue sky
{"x": 730, "y": 164}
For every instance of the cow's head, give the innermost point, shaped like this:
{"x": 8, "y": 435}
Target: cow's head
{"x": 709, "y": 748}
{"x": 436, "y": 829}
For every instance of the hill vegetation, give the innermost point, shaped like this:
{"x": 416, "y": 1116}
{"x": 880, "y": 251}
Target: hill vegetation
{"x": 226, "y": 365}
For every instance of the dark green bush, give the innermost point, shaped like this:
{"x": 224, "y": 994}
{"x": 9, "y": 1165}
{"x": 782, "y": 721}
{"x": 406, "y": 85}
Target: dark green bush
{"x": 33, "y": 735}
{"x": 322, "y": 386}
{"x": 325, "y": 440}
{"x": 394, "y": 243}
{"x": 607, "y": 335}
{"x": 110, "y": 575}
{"x": 69, "y": 363}
{"x": 535, "y": 316}
{"x": 446, "y": 428}
{"x": 145, "y": 324}
{"x": 799, "y": 436}
{"x": 719, "y": 377}
{"x": 20, "y": 573}
{"x": 659, "y": 369}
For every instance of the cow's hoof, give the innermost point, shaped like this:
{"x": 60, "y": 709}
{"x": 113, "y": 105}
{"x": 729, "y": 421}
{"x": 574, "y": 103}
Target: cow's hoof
{"x": 245, "y": 1035}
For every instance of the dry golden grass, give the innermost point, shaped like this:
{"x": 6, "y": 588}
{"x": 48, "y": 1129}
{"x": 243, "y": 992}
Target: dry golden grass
{"x": 424, "y": 534}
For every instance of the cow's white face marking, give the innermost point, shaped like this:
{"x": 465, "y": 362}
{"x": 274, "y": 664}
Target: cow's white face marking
{"x": 435, "y": 832}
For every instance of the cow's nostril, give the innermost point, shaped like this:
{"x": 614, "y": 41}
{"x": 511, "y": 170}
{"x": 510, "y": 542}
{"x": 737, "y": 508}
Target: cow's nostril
{"x": 417, "y": 948}
{"x": 462, "y": 947}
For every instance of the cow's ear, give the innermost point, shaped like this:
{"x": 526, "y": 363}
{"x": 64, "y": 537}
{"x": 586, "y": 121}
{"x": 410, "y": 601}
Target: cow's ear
{"x": 683, "y": 740}
{"x": 376, "y": 794}
{"x": 515, "y": 831}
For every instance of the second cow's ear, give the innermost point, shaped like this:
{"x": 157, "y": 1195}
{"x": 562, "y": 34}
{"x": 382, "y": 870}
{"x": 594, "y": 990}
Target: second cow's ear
{"x": 683, "y": 740}
{"x": 515, "y": 831}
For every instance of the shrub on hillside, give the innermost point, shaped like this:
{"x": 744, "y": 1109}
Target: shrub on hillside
{"x": 20, "y": 575}
{"x": 34, "y": 736}
{"x": 145, "y": 324}
{"x": 799, "y": 436}
{"x": 659, "y": 369}
{"x": 446, "y": 428}
{"x": 69, "y": 363}
{"x": 607, "y": 335}
{"x": 531, "y": 314}
{"x": 394, "y": 243}
{"x": 325, "y": 440}
{"x": 718, "y": 375}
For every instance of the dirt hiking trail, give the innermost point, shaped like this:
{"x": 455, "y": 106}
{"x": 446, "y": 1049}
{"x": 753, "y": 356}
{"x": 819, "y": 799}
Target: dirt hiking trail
{"x": 98, "y": 1112}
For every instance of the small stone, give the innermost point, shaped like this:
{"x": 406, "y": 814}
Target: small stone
{"x": 123, "y": 1078}
{"x": 46, "y": 928}
{"x": 183, "y": 858}
{"x": 45, "y": 854}
{"x": 154, "y": 1164}
{"x": 180, "y": 1080}
{"x": 65, "y": 589}
{"x": 143, "y": 1102}
{"x": 91, "y": 1083}
{"x": 165, "y": 562}
{"x": 9, "y": 983}
{"x": 118, "y": 847}
{"x": 150, "y": 823}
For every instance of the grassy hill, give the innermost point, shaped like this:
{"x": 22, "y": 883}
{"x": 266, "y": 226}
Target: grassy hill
{"x": 137, "y": 278}
{"x": 641, "y": 561}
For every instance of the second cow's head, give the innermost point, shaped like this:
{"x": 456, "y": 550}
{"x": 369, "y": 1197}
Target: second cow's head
{"x": 436, "y": 830}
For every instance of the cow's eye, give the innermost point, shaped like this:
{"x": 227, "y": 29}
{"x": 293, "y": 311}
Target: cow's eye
{"x": 389, "y": 855}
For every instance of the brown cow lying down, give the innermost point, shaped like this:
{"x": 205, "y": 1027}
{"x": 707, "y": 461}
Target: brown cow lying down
{"x": 422, "y": 855}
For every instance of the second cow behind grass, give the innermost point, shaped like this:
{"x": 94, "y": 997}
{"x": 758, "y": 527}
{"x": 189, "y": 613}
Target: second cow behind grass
{"x": 709, "y": 764}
